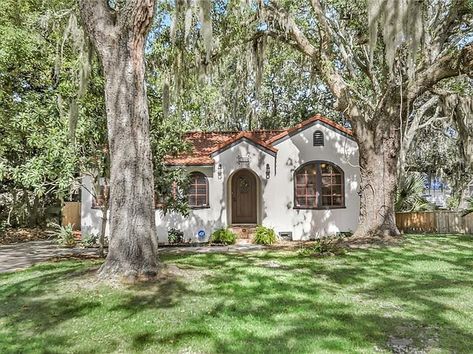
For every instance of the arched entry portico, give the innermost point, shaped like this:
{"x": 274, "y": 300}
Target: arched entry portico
{"x": 244, "y": 189}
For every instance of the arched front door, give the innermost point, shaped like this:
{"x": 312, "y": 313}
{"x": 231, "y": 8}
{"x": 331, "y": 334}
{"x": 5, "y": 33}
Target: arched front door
{"x": 244, "y": 198}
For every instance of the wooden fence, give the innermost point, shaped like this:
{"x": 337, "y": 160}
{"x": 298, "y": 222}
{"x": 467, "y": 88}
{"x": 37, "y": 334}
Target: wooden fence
{"x": 442, "y": 222}
{"x": 71, "y": 215}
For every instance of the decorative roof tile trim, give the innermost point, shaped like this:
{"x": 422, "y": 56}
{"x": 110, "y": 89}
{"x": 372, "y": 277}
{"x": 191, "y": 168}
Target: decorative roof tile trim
{"x": 190, "y": 162}
{"x": 245, "y": 135}
{"x": 306, "y": 123}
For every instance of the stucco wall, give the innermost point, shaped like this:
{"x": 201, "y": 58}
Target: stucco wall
{"x": 275, "y": 195}
{"x": 292, "y": 153}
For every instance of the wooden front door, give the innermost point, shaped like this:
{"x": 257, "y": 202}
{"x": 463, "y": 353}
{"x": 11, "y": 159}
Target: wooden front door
{"x": 244, "y": 198}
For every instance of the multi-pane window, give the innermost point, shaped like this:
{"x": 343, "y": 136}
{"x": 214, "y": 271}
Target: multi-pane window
{"x": 318, "y": 138}
{"x": 332, "y": 185}
{"x": 198, "y": 190}
{"x": 306, "y": 183}
{"x": 319, "y": 185}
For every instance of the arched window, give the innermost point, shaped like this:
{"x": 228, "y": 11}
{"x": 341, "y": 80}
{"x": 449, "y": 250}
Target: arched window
{"x": 198, "y": 190}
{"x": 319, "y": 184}
{"x": 318, "y": 138}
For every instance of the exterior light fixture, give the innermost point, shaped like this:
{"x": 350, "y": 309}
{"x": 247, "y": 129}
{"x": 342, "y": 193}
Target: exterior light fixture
{"x": 268, "y": 171}
{"x": 219, "y": 171}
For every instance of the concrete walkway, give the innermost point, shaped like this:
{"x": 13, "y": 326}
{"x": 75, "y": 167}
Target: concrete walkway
{"x": 23, "y": 255}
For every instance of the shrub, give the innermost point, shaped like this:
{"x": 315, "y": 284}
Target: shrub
{"x": 410, "y": 194}
{"x": 90, "y": 240}
{"x": 65, "y": 235}
{"x": 223, "y": 236}
{"x": 175, "y": 236}
{"x": 265, "y": 235}
{"x": 326, "y": 246}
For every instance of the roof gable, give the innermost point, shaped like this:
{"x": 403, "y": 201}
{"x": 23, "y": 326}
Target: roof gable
{"x": 242, "y": 136}
{"x": 308, "y": 123}
{"x": 205, "y": 145}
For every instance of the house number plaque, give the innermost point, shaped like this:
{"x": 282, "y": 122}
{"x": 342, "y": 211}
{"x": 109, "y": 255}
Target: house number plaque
{"x": 243, "y": 160}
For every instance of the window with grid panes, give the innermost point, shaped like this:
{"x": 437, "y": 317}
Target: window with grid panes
{"x": 319, "y": 185}
{"x": 198, "y": 193}
{"x": 306, "y": 191}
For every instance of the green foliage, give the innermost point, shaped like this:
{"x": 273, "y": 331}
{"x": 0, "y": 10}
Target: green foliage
{"x": 90, "y": 240}
{"x": 469, "y": 206}
{"x": 325, "y": 246}
{"x": 170, "y": 183}
{"x": 410, "y": 194}
{"x": 265, "y": 235}
{"x": 175, "y": 236}
{"x": 223, "y": 236}
{"x": 64, "y": 235}
{"x": 436, "y": 151}
{"x": 39, "y": 163}
{"x": 453, "y": 202}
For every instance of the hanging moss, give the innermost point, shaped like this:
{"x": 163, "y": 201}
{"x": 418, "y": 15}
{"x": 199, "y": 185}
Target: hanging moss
{"x": 401, "y": 23}
{"x": 206, "y": 26}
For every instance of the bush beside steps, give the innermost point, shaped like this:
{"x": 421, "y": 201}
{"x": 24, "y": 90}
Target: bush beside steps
{"x": 265, "y": 236}
{"x": 223, "y": 237}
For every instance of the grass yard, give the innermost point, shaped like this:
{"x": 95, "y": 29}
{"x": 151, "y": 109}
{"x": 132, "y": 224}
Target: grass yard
{"x": 416, "y": 296}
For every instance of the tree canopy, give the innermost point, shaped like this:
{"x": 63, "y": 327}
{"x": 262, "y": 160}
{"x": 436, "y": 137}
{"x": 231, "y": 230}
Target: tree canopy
{"x": 397, "y": 72}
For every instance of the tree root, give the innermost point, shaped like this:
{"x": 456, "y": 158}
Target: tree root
{"x": 114, "y": 270}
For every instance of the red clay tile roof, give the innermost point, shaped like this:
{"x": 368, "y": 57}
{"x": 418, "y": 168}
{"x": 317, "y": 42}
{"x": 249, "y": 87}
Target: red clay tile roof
{"x": 203, "y": 144}
{"x": 307, "y": 122}
{"x": 256, "y": 138}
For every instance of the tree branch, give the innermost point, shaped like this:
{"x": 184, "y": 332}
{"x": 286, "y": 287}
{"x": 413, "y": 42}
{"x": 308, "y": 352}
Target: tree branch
{"x": 443, "y": 29}
{"x": 137, "y": 15}
{"x": 324, "y": 55}
{"x": 97, "y": 18}
{"x": 285, "y": 20}
{"x": 451, "y": 64}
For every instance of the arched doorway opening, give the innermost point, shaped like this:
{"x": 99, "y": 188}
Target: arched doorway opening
{"x": 244, "y": 197}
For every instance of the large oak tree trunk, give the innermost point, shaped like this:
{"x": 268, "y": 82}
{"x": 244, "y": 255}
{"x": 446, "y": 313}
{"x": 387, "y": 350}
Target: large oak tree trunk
{"x": 119, "y": 38}
{"x": 132, "y": 248}
{"x": 379, "y": 151}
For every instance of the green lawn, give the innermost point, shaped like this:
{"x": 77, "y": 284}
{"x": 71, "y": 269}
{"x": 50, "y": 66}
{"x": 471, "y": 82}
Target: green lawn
{"x": 418, "y": 295}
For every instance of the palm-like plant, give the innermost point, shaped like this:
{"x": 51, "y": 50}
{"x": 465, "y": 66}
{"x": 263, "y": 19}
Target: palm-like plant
{"x": 410, "y": 194}
{"x": 468, "y": 207}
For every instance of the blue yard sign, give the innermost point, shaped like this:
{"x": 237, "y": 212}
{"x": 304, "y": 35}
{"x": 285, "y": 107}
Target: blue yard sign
{"x": 201, "y": 234}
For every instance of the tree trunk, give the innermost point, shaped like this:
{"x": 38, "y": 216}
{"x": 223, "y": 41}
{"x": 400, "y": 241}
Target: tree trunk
{"x": 103, "y": 227}
{"x": 119, "y": 35}
{"x": 379, "y": 151}
{"x": 132, "y": 243}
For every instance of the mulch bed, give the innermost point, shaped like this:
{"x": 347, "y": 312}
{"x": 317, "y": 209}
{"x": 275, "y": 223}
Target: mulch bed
{"x": 18, "y": 235}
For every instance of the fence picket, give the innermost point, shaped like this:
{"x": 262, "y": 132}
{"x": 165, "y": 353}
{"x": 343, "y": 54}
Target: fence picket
{"x": 438, "y": 221}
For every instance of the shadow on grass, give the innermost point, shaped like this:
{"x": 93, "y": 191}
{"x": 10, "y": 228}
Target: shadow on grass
{"x": 238, "y": 304}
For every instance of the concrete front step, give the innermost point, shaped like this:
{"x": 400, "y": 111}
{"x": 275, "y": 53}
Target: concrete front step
{"x": 243, "y": 232}
{"x": 243, "y": 241}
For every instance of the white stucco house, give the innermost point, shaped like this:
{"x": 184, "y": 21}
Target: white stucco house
{"x": 302, "y": 181}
